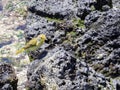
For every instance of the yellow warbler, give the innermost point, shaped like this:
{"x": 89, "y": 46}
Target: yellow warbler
{"x": 33, "y": 44}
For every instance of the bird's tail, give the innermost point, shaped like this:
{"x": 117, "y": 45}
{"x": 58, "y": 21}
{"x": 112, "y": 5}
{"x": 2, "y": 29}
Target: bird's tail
{"x": 20, "y": 51}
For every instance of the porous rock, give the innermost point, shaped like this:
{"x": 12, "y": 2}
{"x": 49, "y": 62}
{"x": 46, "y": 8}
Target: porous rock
{"x": 74, "y": 58}
{"x": 116, "y": 4}
{"x": 66, "y": 9}
{"x": 99, "y": 46}
{"x": 53, "y": 8}
{"x": 8, "y": 79}
{"x": 60, "y": 70}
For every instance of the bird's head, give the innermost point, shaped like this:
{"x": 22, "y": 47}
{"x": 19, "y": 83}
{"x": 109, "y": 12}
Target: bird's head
{"x": 42, "y": 37}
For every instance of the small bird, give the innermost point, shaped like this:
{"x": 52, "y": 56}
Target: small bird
{"x": 33, "y": 44}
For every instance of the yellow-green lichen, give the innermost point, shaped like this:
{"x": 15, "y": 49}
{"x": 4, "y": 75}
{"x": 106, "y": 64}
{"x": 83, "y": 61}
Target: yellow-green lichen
{"x": 71, "y": 37}
{"x": 72, "y": 34}
{"x": 21, "y": 11}
{"x": 78, "y": 23}
{"x": 54, "y": 19}
{"x": 9, "y": 6}
{"x": 21, "y": 8}
{"x": 31, "y": 58}
{"x": 18, "y": 7}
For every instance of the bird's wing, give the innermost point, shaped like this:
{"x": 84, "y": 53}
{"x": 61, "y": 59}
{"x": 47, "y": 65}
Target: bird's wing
{"x": 30, "y": 43}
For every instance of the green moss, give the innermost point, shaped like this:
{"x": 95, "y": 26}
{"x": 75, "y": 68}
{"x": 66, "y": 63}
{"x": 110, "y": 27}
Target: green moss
{"x": 21, "y": 8}
{"x": 83, "y": 54}
{"x": 21, "y": 11}
{"x": 66, "y": 41}
{"x": 112, "y": 84}
{"x": 54, "y": 19}
{"x": 31, "y": 58}
{"x": 78, "y": 23}
{"x": 72, "y": 34}
{"x": 9, "y": 6}
{"x": 27, "y": 88}
{"x": 105, "y": 72}
{"x": 18, "y": 7}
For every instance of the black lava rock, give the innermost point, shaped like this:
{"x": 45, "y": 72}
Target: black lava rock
{"x": 53, "y": 8}
{"x": 99, "y": 46}
{"x": 85, "y": 7}
{"x": 74, "y": 58}
{"x": 60, "y": 70}
{"x": 8, "y": 79}
{"x": 101, "y": 3}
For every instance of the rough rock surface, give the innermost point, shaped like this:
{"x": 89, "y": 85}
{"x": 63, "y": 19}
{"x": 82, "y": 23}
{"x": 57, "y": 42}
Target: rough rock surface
{"x": 8, "y": 79}
{"x": 82, "y": 47}
{"x": 60, "y": 70}
{"x": 66, "y": 8}
{"x": 50, "y": 8}
{"x": 102, "y": 41}
{"x": 116, "y": 4}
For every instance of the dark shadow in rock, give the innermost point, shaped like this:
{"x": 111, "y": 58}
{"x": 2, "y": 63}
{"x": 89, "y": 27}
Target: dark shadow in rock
{"x": 35, "y": 55}
{"x": 1, "y": 6}
{"x": 8, "y": 78}
{"x": 5, "y": 43}
{"x": 117, "y": 86}
{"x": 21, "y": 27}
{"x": 7, "y": 60}
{"x": 43, "y": 54}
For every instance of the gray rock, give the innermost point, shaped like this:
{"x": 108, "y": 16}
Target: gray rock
{"x": 7, "y": 87}
{"x": 73, "y": 58}
{"x": 85, "y": 7}
{"x": 101, "y": 3}
{"x": 66, "y": 9}
{"x": 53, "y": 8}
{"x": 60, "y": 70}
{"x": 100, "y": 44}
{"x": 8, "y": 79}
{"x": 116, "y": 4}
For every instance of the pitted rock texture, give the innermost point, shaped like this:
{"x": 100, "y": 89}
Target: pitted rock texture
{"x": 101, "y": 3}
{"x": 60, "y": 70}
{"x": 57, "y": 8}
{"x": 8, "y": 79}
{"x": 73, "y": 57}
{"x": 66, "y": 8}
{"x": 116, "y": 4}
{"x": 99, "y": 46}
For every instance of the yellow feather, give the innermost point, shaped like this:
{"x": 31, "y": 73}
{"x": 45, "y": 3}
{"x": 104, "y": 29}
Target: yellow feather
{"x": 20, "y": 51}
{"x": 33, "y": 44}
